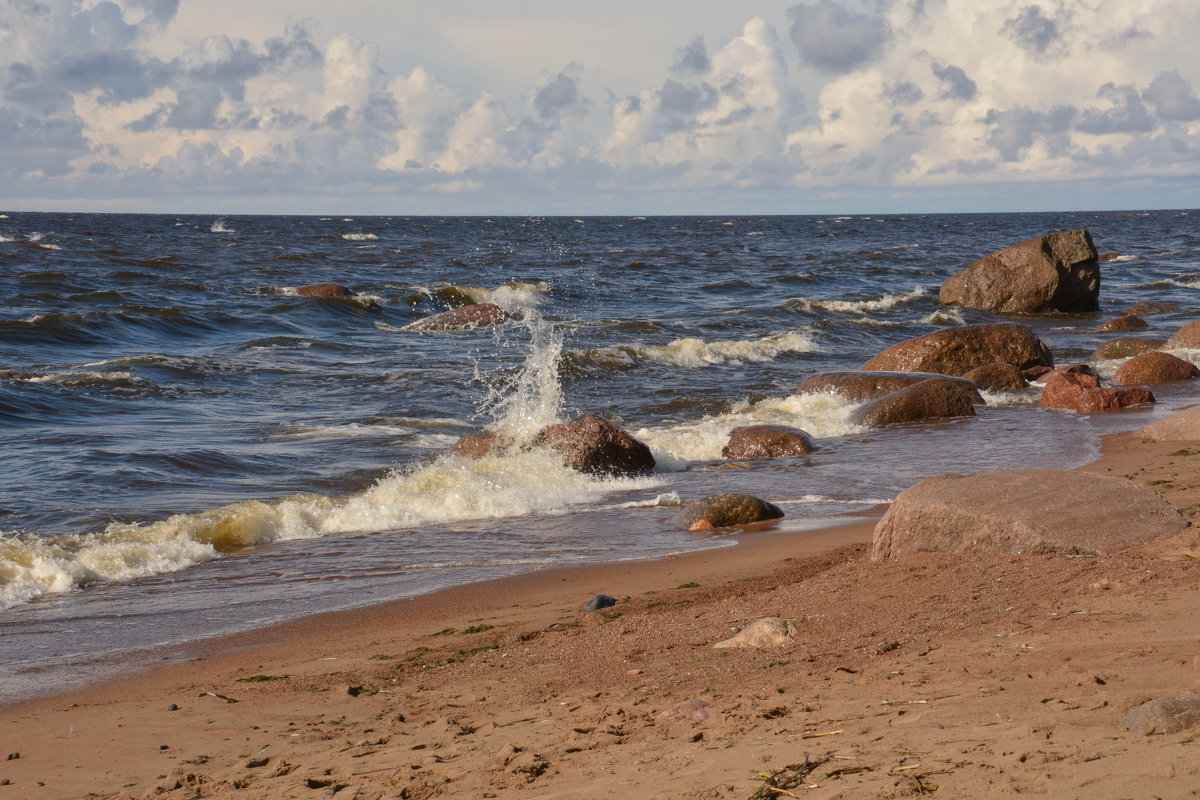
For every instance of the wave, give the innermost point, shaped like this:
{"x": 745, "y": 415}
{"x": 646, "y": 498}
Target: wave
{"x": 220, "y": 227}
{"x": 1182, "y": 284}
{"x": 849, "y": 306}
{"x": 6, "y": 239}
{"x": 49, "y": 247}
{"x": 514, "y": 296}
{"x": 944, "y": 316}
{"x": 694, "y": 353}
{"x": 360, "y": 237}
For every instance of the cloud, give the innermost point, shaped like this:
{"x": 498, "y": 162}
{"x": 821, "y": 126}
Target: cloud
{"x": 833, "y": 38}
{"x": 1034, "y": 31}
{"x": 957, "y": 85}
{"x": 1172, "y": 97}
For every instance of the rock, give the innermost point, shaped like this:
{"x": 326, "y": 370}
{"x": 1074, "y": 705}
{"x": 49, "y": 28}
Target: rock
{"x": 1129, "y": 322}
{"x": 1125, "y": 347}
{"x": 1186, "y": 338}
{"x": 1024, "y": 511}
{"x": 859, "y": 385}
{"x": 929, "y": 399}
{"x": 767, "y": 441}
{"x": 1152, "y": 307}
{"x": 14, "y": 375}
{"x": 1083, "y": 394}
{"x": 767, "y": 632}
{"x": 1051, "y": 273}
{"x": 1182, "y": 426}
{"x": 1036, "y": 373}
{"x": 1155, "y": 368}
{"x": 594, "y": 445}
{"x": 323, "y": 290}
{"x": 1164, "y": 715}
{"x": 687, "y": 711}
{"x": 953, "y": 351}
{"x": 1072, "y": 369}
{"x": 476, "y": 445}
{"x": 997, "y": 377}
{"x": 465, "y": 318}
{"x": 1108, "y": 256}
{"x": 725, "y": 511}
{"x": 600, "y": 601}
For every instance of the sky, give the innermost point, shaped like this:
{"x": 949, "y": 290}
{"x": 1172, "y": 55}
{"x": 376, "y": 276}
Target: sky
{"x": 579, "y": 107}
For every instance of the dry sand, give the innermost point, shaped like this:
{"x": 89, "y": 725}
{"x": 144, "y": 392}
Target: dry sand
{"x": 956, "y": 676}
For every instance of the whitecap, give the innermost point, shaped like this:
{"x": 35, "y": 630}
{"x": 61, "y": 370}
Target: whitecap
{"x": 849, "y": 306}
{"x": 944, "y": 316}
{"x": 347, "y": 430}
{"x": 50, "y": 246}
{"x": 360, "y": 237}
{"x": 668, "y": 499}
{"x": 693, "y": 353}
{"x": 35, "y": 237}
{"x": 6, "y": 238}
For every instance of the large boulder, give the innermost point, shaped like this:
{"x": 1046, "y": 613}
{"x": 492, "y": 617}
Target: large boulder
{"x": 1129, "y": 322}
{"x": 1186, "y": 338}
{"x": 594, "y": 445}
{"x": 725, "y": 511}
{"x": 1051, "y": 273}
{"x": 465, "y": 318}
{"x": 1164, "y": 715}
{"x": 1082, "y": 393}
{"x": 1024, "y": 511}
{"x": 859, "y": 385}
{"x": 1125, "y": 347}
{"x": 767, "y": 441}
{"x": 929, "y": 399}
{"x": 1155, "y": 368}
{"x": 1182, "y": 426}
{"x": 953, "y": 351}
{"x": 997, "y": 377}
{"x": 323, "y": 290}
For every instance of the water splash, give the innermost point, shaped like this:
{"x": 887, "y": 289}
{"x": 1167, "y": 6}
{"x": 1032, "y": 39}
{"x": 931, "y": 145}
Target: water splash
{"x": 522, "y": 403}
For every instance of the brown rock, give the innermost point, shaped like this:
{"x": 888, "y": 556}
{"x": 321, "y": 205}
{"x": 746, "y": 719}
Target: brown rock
{"x": 725, "y": 511}
{"x": 1129, "y": 322}
{"x": 1108, "y": 256}
{"x": 14, "y": 375}
{"x": 1125, "y": 347}
{"x": 1051, "y": 273}
{"x": 1155, "y": 368}
{"x": 929, "y": 399}
{"x": 859, "y": 385}
{"x": 998, "y": 377}
{"x": 1072, "y": 369}
{"x": 476, "y": 445}
{"x": 953, "y": 351}
{"x": 1147, "y": 307}
{"x": 1182, "y": 426}
{"x": 767, "y": 632}
{"x": 767, "y": 441}
{"x": 466, "y": 318}
{"x": 594, "y": 445}
{"x": 1186, "y": 338}
{"x": 1036, "y": 373}
{"x": 1082, "y": 393}
{"x": 1024, "y": 511}
{"x": 323, "y": 290}
{"x": 1164, "y": 715}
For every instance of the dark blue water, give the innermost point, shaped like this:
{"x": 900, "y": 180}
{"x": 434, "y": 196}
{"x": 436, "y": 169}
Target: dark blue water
{"x": 202, "y": 450}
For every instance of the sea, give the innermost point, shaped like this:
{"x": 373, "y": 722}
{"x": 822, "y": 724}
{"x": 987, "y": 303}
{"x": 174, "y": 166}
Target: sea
{"x": 202, "y": 451}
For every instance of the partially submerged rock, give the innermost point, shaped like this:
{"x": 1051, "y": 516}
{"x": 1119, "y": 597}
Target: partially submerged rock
{"x": 14, "y": 375}
{"x": 476, "y": 445}
{"x": 596, "y": 446}
{"x": 1051, "y": 273}
{"x": 859, "y": 385}
{"x": 1147, "y": 307}
{"x": 1125, "y": 347}
{"x": 1155, "y": 368}
{"x": 1186, "y": 338}
{"x": 767, "y": 441}
{"x": 725, "y": 511}
{"x": 323, "y": 290}
{"x": 1129, "y": 322}
{"x": 1024, "y": 511}
{"x": 767, "y": 632}
{"x": 465, "y": 318}
{"x": 997, "y": 377}
{"x": 1164, "y": 715}
{"x": 929, "y": 399}
{"x": 1182, "y": 426}
{"x": 1083, "y": 394}
{"x": 953, "y": 351}
{"x": 1110, "y": 256}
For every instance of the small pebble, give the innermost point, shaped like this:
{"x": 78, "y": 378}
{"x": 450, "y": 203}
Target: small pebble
{"x": 13, "y": 756}
{"x": 164, "y": 747}
{"x": 172, "y": 707}
{"x": 634, "y": 672}
{"x": 5, "y": 782}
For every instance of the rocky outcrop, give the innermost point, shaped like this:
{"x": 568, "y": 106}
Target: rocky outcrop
{"x": 1164, "y": 715}
{"x": 323, "y": 290}
{"x": 859, "y": 385}
{"x": 1024, "y": 511}
{"x": 1083, "y": 394}
{"x": 1155, "y": 368}
{"x": 465, "y": 318}
{"x": 767, "y": 632}
{"x": 725, "y": 511}
{"x": 929, "y": 399}
{"x": 594, "y": 445}
{"x": 1186, "y": 338}
{"x": 1051, "y": 273}
{"x": 1125, "y": 347}
{"x": 997, "y": 377}
{"x": 1129, "y": 322}
{"x": 767, "y": 441}
{"x": 953, "y": 351}
{"x": 1182, "y": 426}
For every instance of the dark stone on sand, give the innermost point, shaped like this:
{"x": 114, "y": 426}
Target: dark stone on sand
{"x": 1083, "y": 394}
{"x": 1186, "y": 338}
{"x": 1164, "y": 715}
{"x": 1155, "y": 368}
{"x": 725, "y": 511}
{"x": 767, "y": 441}
{"x": 1129, "y": 322}
{"x": 600, "y": 601}
{"x": 466, "y": 318}
{"x": 1126, "y": 347}
{"x": 1147, "y": 307}
{"x": 596, "y": 446}
{"x": 930, "y": 399}
{"x": 997, "y": 377}
{"x": 323, "y": 290}
{"x": 859, "y": 385}
{"x": 1052, "y": 273}
{"x": 953, "y": 351}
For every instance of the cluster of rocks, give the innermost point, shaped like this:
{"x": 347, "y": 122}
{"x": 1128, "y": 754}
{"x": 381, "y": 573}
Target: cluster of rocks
{"x": 463, "y": 318}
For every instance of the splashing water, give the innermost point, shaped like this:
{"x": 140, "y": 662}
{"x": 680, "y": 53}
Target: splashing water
{"x": 522, "y": 404}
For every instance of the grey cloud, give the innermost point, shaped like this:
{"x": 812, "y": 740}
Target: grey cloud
{"x": 904, "y": 94}
{"x": 693, "y": 58}
{"x": 958, "y": 85}
{"x": 1127, "y": 114}
{"x": 1016, "y": 129}
{"x": 832, "y": 38}
{"x": 1172, "y": 97}
{"x": 1032, "y": 30}
{"x": 557, "y": 96}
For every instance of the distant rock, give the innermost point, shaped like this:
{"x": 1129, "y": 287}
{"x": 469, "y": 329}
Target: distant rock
{"x": 953, "y": 351}
{"x": 1083, "y": 394}
{"x": 1164, "y": 715}
{"x": 929, "y": 399}
{"x": 465, "y": 318}
{"x": 767, "y": 632}
{"x": 1125, "y": 347}
{"x": 1148, "y": 307}
{"x": 1129, "y": 322}
{"x": 997, "y": 377}
{"x": 323, "y": 290}
{"x": 476, "y": 445}
{"x": 1182, "y": 426}
{"x": 1051, "y": 273}
{"x": 600, "y": 601}
{"x": 859, "y": 385}
{"x": 14, "y": 375}
{"x": 1155, "y": 368}
{"x": 1108, "y": 256}
{"x": 725, "y": 511}
{"x": 1024, "y": 511}
{"x": 594, "y": 445}
{"x": 1186, "y": 338}
{"x": 767, "y": 441}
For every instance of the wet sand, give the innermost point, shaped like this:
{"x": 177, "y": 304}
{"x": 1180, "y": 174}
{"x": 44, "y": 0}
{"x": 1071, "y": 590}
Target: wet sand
{"x": 964, "y": 676}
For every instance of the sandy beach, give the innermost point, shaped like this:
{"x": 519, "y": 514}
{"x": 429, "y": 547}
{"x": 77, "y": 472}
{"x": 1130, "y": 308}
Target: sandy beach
{"x": 960, "y": 676}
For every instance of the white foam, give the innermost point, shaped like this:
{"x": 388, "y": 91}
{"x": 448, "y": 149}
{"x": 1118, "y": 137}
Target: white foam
{"x": 1006, "y": 399}
{"x": 850, "y": 306}
{"x": 6, "y": 238}
{"x": 944, "y": 316}
{"x": 3, "y": 216}
{"x": 219, "y": 227}
{"x": 35, "y": 237}
{"x": 360, "y": 237}
{"x": 515, "y": 296}
{"x": 348, "y": 430}
{"x": 668, "y": 499}
{"x": 810, "y": 499}
{"x": 694, "y": 353}
{"x": 50, "y": 246}
{"x": 1124, "y": 258}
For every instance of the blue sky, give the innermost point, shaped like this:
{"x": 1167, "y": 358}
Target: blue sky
{"x": 657, "y": 106}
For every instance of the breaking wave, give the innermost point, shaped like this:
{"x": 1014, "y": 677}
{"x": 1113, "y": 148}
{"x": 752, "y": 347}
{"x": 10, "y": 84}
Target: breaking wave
{"x": 695, "y": 353}
{"x": 852, "y": 306}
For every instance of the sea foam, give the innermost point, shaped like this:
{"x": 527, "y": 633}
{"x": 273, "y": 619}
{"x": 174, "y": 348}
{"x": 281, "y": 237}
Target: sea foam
{"x": 694, "y": 353}
{"x": 851, "y": 306}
